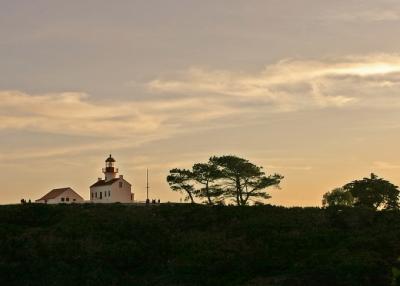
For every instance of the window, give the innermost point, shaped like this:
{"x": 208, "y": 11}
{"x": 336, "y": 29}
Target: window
{"x": 101, "y": 195}
{"x": 74, "y": 200}
{"x": 109, "y": 193}
{"x": 62, "y": 199}
{"x": 120, "y": 184}
{"x": 67, "y": 199}
{"x": 96, "y": 195}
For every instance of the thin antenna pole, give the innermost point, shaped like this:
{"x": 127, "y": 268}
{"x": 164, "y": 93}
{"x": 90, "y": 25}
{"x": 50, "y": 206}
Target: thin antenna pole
{"x": 147, "y": 183}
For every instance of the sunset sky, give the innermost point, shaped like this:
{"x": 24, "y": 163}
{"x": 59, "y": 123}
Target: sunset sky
{"x": 309, "y": 89}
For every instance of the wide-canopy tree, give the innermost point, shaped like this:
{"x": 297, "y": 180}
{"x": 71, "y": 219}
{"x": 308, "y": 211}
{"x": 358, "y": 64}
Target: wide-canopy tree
{"x": 371, "y": 192}
{"x": 224, "y": 178}
{"x": 242, "y": 180}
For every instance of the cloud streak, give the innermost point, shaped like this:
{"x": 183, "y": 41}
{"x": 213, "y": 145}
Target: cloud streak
{"x": 104, "y": 124}
{"x": 75, "y": 113}
{"x": 292, "y": 84}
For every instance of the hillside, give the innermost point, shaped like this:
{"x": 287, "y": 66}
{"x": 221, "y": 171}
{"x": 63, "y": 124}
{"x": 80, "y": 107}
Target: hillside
{"x": 196, "y": 245}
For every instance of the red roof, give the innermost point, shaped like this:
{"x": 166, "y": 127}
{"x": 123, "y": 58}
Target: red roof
{"x": 55, "y": 193}
{"x": 104, "y": 183}
{"x": 109, "y": 182}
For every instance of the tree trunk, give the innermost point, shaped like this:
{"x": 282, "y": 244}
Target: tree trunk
{"x": 208, "y": 194}
{"x": 246, "y": 199}
{"x": 191, "y": 197}
{"x": 238, "y": 192}
{"x": 247, "y": 196}
{"x": 242, "y": 202}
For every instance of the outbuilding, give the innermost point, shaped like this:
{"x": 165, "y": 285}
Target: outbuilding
{"x": 61, "y": 196}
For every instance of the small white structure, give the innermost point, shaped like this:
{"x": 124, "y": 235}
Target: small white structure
{"x": 112, "y": 189}
{"x": 61, "y": 196}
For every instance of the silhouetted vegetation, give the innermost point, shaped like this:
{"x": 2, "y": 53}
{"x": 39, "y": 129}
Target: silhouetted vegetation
{"x": 197, "y": 245}
{"x": 223, "y": 179}
{"x": 372, "y": 192}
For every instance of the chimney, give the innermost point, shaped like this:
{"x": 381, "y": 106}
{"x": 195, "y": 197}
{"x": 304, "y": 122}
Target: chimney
{"x": 121, "y": 176}
{"x": 99, "y": 179}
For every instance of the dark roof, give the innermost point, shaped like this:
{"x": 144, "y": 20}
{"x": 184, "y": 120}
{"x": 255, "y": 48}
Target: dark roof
{"x": 55, "y": 193}
{"x": 104, "y": 183}
{"x": 110, "y": 159}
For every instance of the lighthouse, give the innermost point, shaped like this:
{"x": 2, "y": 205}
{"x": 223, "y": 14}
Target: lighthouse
{"x": 112, "y": 188}
{"x": 110, "y": 171}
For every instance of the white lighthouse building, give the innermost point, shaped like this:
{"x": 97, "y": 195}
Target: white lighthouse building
{"x": 113, "y": 188}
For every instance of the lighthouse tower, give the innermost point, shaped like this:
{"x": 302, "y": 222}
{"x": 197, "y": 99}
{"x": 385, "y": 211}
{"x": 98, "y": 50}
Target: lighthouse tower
{"x": 113, "y": 188}
{"x": 110, "y": 171}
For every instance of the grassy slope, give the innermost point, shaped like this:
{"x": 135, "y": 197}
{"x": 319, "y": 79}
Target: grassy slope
{"x": 196, "y": 245}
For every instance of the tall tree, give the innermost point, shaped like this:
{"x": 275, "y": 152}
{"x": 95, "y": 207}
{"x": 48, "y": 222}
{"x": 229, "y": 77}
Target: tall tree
{"x": 244, "y": 181}
{"x": 181, "y": 180}
{"x": 207, "y": 175}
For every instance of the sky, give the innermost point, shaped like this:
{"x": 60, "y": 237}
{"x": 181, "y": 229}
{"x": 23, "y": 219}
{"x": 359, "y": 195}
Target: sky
{"x": 309, "y": 89}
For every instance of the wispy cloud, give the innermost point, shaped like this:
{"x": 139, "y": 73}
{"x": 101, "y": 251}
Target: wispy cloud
{"x": 110, "y": 124}
{"x": 76, "y": 113}
{"x": 72, "y": 113}
{"x": 295, "y": 84}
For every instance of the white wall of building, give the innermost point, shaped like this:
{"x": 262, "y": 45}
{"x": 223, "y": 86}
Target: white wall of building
{"x": 119, "y": 191}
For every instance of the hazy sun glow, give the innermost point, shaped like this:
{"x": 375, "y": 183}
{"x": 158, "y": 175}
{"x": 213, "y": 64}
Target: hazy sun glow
{"x": 369, "y": 69}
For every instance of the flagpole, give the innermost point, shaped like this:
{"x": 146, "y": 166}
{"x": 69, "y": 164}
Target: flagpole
{"x": 147, "y": 184}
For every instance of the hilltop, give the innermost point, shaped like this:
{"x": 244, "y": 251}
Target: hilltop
{"x": 196, "y": 245}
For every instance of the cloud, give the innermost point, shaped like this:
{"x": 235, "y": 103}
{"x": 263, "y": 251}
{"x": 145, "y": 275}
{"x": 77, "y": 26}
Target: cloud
{"x": 72, "y": 113}
{"x": 294, "y": 84}
{"x": 109, "y": 123}
{"x": 75, "y": 113}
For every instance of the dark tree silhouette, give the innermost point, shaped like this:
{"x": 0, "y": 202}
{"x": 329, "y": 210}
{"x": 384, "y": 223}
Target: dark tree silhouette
{"x": 243, "y": 180}
{"x": 181, "y": 180}
{"x": 225, "y": 177}
{"x": 207, "y": 175}
{"x": 372, "y": 192}
{"x": 338, "y": 197}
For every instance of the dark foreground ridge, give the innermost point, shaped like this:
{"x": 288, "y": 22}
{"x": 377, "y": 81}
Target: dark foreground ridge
{"x": 197, "y": 245}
